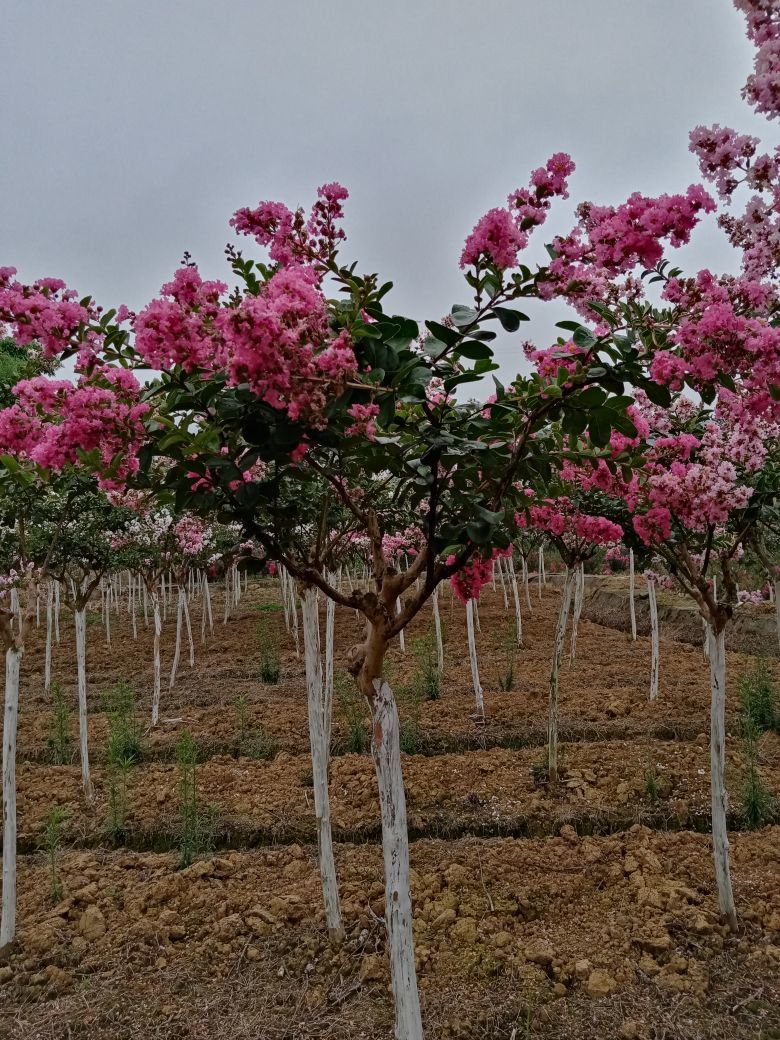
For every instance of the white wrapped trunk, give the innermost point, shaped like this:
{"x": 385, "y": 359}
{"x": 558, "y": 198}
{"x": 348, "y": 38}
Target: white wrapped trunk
{"x": 720, "y": 839}
{"x": 57, "y": 613}
{"x": 539, "y": 572}
{"x": 13, "y": 661}
{"x": 189, "y": 631}
{"x": 155, "y": 597}
{"x": 49, "y": 626}
{"x": 516, "y": 596}
{"x": 655, "y": 664}
{"x": 80, "y": 616}
{"x": 208, "y": 617}
{"x": 579, "y": 594}
{"x": 552, "y": 704}
{"x": 319, "y": 694}
{"x": 437, "y": 628}
{"x": 527, "y": 585}
{"x": 631, "y": 602}
{"x": 478, "y": 694}
{"x": 385, "y": 749}
{"x": 499, "y": 565}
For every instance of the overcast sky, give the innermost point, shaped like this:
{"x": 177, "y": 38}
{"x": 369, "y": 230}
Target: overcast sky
{"x": 132, "y": 129}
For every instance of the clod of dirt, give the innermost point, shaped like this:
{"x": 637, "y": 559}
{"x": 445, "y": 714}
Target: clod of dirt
{"x": 92, "y": 924}
{"x": 600, "y": 984}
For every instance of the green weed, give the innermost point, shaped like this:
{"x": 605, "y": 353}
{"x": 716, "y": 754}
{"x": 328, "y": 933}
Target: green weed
{"x": 59, "y": 740}
{"x": 269, "y": 657}
{"x": 53, "y": 842}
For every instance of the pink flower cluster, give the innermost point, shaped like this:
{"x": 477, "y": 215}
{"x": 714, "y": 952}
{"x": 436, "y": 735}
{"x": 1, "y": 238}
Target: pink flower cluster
{"x": 291, "y": 238}
{"x": 503, "y": 232}
{"x": 723, "y": 327}
{"x": 755, "y": 597}
{"x": 614, "y": 240}
{"x": 729, "y": 159}
{"x": 560, "y": 355}
{"x": 467, "y": 583}
{"x": 45, "y": 311}
{"x": 183, "y": 328}
{"x": 278, "y": 341}
{"x": 54, "y": 422}
{"x": 192, "y": 535}
{"x": 724, "y": 156}
{"x": 364, "y": 415}
{"x": 762, "y": 89}
{"x": 700, "y": 481}
{"x": 394, "y": 546}
{"x": 578, "y": 533}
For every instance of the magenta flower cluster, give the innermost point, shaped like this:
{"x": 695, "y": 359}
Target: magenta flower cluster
{"x": 503, "y": 232}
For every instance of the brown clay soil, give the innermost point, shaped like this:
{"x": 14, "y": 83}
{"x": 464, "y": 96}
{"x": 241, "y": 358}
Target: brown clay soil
{"x": 576, "y": 911}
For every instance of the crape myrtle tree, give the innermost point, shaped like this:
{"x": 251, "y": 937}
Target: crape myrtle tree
{"x": 569, "y": 521}
{"x": 709, "y": 476}
{"x": 47, "y": 527}
{"x": 337, "y": 392}
{"x": 52, "y": 426}
{"x": 76, "y": 524}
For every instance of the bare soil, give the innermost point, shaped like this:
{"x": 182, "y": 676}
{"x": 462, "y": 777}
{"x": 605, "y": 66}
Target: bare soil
{"x": 575, "y": 911}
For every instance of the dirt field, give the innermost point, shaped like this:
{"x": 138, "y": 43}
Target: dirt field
{"x": 577, "y": 912}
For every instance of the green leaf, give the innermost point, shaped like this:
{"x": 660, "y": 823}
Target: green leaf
{"x": 584, "y": 338}
{"x": 658, "y": 393}
{"x": 592, "y": 397}
{"x": 463, "y": 316}
{"x": 510, "y": 319}
{"x": 600, "y": 427}
{"x": 574, "y": 422}
{"x": 621, "y": 402}
{"x": 474, "y": 350}
{"x": 450, "y": 337}
{"x": 466, "y": 377}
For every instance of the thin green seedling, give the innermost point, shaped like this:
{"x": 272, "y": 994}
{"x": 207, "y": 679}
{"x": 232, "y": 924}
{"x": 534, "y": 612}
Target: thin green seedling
{"x": 251, "y": 742}
{"x": 125, "y": 731}
{"x": 53, "y": 842}
{"x": 506, "y": 678}
{"x": 427, "y": 678}
{"x": 186, "y": 758}
{"x": 353, "y": 708}
{"x": 758, "y": 698}
{"x": 60, "y": 743}
{"x": 269, "y": 658}
{"x": 756, "y": 801}
{"x": 652, "y": 785}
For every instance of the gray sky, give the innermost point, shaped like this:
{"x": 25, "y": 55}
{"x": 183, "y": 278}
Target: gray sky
{"x": 132, "y": 129}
